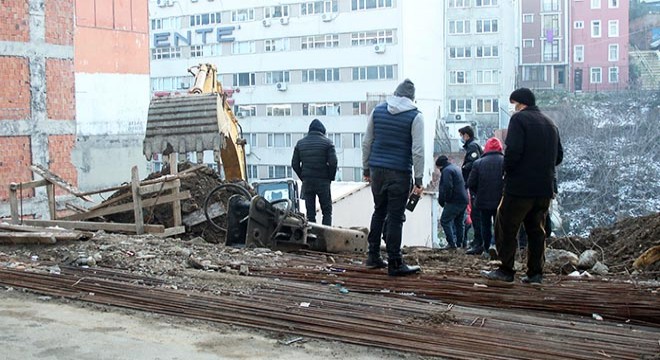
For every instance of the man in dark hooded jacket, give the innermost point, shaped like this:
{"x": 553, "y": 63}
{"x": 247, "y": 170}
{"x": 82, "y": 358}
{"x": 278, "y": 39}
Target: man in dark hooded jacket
{"x": 453, "y": 198}
{"x": 315, "y": 162}
{"x": 533, "y": 150}
{"x": 472, "y": 153}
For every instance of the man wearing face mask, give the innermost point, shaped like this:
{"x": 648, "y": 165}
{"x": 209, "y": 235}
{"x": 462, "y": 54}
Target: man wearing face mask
{"x": 533, "y": 149}
{"x": 473, "y": 152}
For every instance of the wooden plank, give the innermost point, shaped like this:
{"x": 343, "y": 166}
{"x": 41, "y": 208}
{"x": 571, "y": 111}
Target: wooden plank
{"x": 193, "y": 168}
{"x": 164, "y": 186}
{"x": 111, "y": 201}
{"x": 52, "y": 205}
{"x": 145, "y": 182}
{"x": 56, "y": 180}
{"x": 128, "y": 207}
{"x": 26, "y": 228}
{"x": 94, "y": 226}
{"x": 173, "y": 231}
{"x": 176, "y": 205}
{"x": 197, "y": 217}
{"x": 36, "y": 237}
{"x": 137, "y": 201}
{"x": 13, "y": 205}
{"x": 76, "y": 208}
{"x": 29, "y": 184}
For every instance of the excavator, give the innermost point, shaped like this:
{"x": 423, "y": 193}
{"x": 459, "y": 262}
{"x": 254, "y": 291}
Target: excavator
{"x": 202, "y": 120}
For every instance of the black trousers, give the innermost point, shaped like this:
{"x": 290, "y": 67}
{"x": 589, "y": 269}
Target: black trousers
{"x": 475, "y": 216}
{"x": 321, "y": 188}
{"x": 513, "y": 212}
{"x": 390, "y": 190}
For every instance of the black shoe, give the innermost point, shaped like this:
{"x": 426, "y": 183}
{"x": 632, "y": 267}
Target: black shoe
{"x": 497, "y": 275}
{"x": 492, "y": 252}
{"x": 375, "y": 262}
{"x": 478, "y": 250}
{"x": 448, "y": 247}
{"x": 532, "y": 280}
{"x": 399, "y": 268}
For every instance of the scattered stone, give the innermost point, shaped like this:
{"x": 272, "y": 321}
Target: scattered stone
{"x": 560, "y": 260}
{"x": 600, "y": 269}
{"x": 587, "y": 259}
{"x": 244, "y": 270}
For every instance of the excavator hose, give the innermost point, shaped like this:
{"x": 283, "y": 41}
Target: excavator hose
{"x": 211, "y": 198}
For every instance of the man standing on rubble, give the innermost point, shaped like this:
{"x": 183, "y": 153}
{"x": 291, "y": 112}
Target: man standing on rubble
{"x": 472, "y": 153}
{"x": 533, "y": 149}
{"x": 393, "y": 146}
{"x": 315, "y": 162}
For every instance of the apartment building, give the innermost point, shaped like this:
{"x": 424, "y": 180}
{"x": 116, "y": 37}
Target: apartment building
{"x": 286, "y": 64}
{"x": 544, "y": 44}
{"x": 599, "y": 45}
{"x": 481, "y": 57}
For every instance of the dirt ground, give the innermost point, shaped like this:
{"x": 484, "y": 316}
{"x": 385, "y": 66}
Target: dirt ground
{"x": 40, "y": 327}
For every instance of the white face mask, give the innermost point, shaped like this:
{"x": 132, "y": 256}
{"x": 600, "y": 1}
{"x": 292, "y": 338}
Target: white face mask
{"x": 512, "y": 108}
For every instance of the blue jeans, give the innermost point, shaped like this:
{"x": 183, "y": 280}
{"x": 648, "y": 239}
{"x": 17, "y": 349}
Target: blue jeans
{"x": 390, "y": 190}
{"x": 452, "y": 221}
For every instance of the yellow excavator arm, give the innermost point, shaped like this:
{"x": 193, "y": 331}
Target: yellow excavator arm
{"x": 197, "y": 121}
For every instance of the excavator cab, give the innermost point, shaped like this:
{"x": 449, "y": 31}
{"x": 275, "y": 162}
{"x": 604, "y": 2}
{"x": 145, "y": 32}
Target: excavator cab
{"x": 197, "y": 121}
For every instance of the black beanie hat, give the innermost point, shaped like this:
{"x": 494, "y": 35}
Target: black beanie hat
{"x": 406, "y": 89}
{"x": 441, "y": 161}
{"x": 317, "y": 125}
{"x": 523, "y": 96}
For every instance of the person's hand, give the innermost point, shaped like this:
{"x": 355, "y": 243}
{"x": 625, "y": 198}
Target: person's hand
{"x": 367, "y": 178}
{"x": 418, "y": 190}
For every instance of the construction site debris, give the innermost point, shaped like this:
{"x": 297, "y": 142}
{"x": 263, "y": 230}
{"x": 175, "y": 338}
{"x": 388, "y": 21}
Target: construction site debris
{"x": 587, "y": 259}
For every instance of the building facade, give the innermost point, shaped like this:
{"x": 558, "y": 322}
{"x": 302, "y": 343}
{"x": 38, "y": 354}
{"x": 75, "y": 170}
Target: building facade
{"x": 599, "y": 45}
{"x": 287, "y": 64}
{"x": 480, "y": 49}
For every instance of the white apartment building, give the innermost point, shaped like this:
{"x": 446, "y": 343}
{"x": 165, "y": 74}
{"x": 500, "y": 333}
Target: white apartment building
{"x": 481, "y": 56}
{"x": 290, "y": 62}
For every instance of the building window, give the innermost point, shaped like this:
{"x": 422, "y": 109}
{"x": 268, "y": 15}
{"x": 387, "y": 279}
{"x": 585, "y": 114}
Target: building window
{"x": 372, "y": 37}
{"x": 373, "y": 72}
{"x": 613, "y": 28}
{"x": 370, "y": 4}
{"x": 311, "y": 109}
{"x": 487, "y": 106}
{"x": 578, "y": 53}
{"x": 595, "y": 28}
{"x": 596, "y": 75}
{"x": 205, "y": 19}
{"x": 245, "y": 111}
{"x": 459, "y": 77}
{"x": 613, "y": 4}
{"x": 170, "y": 83}
{"x": 460, "y": 52}
{"x": 212, "y": 50}
{"x": 359, "y": 108}
{"x": 278, "y": 110}
{"x": 166, "y": 53}
{"x": 318, "y": 7}
{"x": 358, "y": 138}
{"x": 196, "y": 51}
{"x": 459, "y": 3}
{"x": 252, "y": 172}
{"x": 613, "y": 52}
{"x": 460, "y": 105}
{"x": 551, "y": 28}
{"x": 533, "y": 73}
{"x": 528, "y": 18}
{"x": 527, "y": 43}
{"x": 279, "y": 171}
{"x": 488, "y": 76}
{"x": 486, "y": 26}
{"x": 277, "y": 11}
{"x": 336, "y": 139}
{"x": 487, "y": 51}
{"x": 595, "y": 4}
{"x": 550, "y": 5}
{"x": 459, "y": 26}
{"x": 243, "y": 47}
{"x": 613, "y": 75}
{"x": 551, "y": 50}
{"x": 479, "y": 3}
{"x": 320, "y": 75}
{"x": 273, "y": 45}
{"x": 244, "y": 79}
{"x": 279, "y": 140}
{"x": 578, "y": 25}
{"x": 173, "y": 23}
{"x": 242, "y": 15}
{"x": 320, "y": 41}
{"x": 274, "y": 77}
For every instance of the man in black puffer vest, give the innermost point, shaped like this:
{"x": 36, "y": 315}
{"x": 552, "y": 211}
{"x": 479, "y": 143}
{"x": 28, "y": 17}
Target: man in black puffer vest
{"x": 315, "y": 162}
{"x": 533, "y": 149}
{"x": 393, "y": 145}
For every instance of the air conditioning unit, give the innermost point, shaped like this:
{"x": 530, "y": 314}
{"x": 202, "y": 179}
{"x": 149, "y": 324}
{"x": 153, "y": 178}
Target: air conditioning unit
{"x": 459, "y": 117}
{"x": 185, "y": 85}
{"x": 281, "y": 86}
{"x": 284, "y": 20}
{"x": 162, "y": 3}
{"x": 327, "y": 17}
{"x": 194, "y": 1}
{"x": 379, "y": 48}
{"x": 266, "y": 22}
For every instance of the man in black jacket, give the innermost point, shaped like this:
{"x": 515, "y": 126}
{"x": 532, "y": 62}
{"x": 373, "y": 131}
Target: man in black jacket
{"x": 315, "y": 162}
{"x": 453, "y": 199}
{"x": 472, "y": 153}
{"x": 533, "y": 149}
